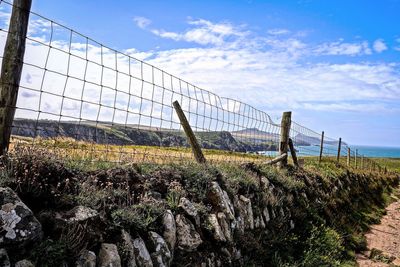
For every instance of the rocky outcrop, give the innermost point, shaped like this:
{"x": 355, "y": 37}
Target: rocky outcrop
{"x": 190, "y": 210}
{"x": 187, "y": 236}
{"x": 27, "y": 263}
{"x": 78, "y": 214}
{"x": 86, "y": 259}
{"x": 108, "y": 256}
{"x": 169, "y": 226}
{"x": 126, "y": 245}
{"x": 216, "y": 228}
{"x": 220, "y": 200}
{"x": 142, "y": 255}
{"x": 245, "y": 212}
{"x": 162, "y": 255}
{"x": 19, "y": 227}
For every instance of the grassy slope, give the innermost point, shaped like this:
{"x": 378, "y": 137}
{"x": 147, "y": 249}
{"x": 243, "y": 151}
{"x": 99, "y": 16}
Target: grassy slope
{"x": 339, "y": 205}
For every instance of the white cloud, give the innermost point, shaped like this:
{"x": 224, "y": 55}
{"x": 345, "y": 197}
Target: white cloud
{"x": 278, "y": 31}
{"x": 269, "y": 72}
{"x": 142, "y": 22}
{"x": 202, "y": 32}
{"x": 379, "y": 46}
{"x": 342, "y": 48}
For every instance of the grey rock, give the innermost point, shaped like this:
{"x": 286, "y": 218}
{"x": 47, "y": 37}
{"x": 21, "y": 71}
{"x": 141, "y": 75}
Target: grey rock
{"x": 27, "y": 263}
{"x": 220, "y": 199}
{"x": 243, "y": 205}
{"x": 86, "y": 259}
{"x": 267, "y": 217}
{"x": 291, "y": 224}
{"x": 18, "y": 226}
{"x": 4, "y": 260}
{"x": 169, "y": 233}
{"x": 108, "y": 256}
{"x": 142, "y": 255}
{"x": 190, "y": 210}
{"x": 216, "y": 228}
{"x": 161, "y": 255}
{"x": 259, "y": 222}
{"x": 78, "y": 214}
{"x": 225, "y": 227}
{"x": 187, "y": 237}
{"x": 128, "y": 255}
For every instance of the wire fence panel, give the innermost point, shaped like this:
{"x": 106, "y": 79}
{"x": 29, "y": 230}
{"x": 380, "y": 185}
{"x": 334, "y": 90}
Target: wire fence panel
{"x": 85, "y": 101}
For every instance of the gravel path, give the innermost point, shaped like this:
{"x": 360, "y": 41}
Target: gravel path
{"x": 383, "y": 241}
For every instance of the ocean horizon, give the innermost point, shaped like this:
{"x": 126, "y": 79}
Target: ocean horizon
{"x": 367, "y": 151}
{"x": 378, "y": 151}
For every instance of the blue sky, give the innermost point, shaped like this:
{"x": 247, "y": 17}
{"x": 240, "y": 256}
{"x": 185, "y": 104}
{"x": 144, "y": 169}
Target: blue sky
{"x": 335, "y": 64}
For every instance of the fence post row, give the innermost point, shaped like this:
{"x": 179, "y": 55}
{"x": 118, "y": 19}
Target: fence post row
{"x": 284, "y": 137}
{"x": 348, "y": 157}
{"x": 321, "y": 147}
{"x": 355, "y": 158}
{"x": 198, "y": 154}
{"x": 339, "y": 148}
{"x": 11, "y": 68}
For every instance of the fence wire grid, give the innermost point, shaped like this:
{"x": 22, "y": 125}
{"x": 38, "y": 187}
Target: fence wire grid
{"x": 85, "y": 101}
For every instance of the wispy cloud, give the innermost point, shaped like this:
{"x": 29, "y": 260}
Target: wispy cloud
{"x": 201, "y": 31}
{"x": 343, "y": 48}
{"x": 142, "y": 22}
{"x": 379, "y": 46}
{"x": 278, "y": 31}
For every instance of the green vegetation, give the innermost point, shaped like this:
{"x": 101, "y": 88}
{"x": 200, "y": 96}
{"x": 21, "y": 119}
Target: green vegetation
{"x": 318, "y": 213}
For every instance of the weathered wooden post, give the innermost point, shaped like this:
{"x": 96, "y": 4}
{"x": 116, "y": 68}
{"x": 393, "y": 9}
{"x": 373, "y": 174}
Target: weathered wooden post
{"x": 321, "y": 149}
{"x": 348, "y": 157}
{"x": 355, "y": 158}
{"x": 338, "y": 150}
{"x": 293, "y": 152}
{"x": 362, "y": 162}
{"x": 284, "y": 137}
{"x": 11, "y": 68}
{"x": 198, "y": 154}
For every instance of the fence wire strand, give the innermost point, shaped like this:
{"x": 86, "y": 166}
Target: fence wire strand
{"x": 85, "y": 101}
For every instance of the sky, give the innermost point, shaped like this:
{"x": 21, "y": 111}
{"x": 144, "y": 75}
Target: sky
{"x": 334, "y": 64}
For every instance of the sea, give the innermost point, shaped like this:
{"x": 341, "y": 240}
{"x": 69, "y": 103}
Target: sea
{"x": 367, "y": 151}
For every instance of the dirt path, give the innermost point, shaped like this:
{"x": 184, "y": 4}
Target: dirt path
{"x": 383, "y": 241}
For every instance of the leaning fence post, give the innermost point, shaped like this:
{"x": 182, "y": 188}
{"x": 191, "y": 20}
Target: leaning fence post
{"x": 338, "y": 150}
{"x": 198, "y": 154}
{"x": 293, "y": 152}
{"x": 321, "y": 147}
{"x": 11, "y": 68}
{"x": 284, "y": 137}
{"x": 348, "y": 157}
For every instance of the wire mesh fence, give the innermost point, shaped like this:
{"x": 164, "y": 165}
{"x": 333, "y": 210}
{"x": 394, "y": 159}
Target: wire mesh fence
{"x": 82, "y": 100}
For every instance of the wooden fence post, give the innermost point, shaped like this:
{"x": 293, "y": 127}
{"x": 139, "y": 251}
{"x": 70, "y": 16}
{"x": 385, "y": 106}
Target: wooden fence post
{"x": 284, "y": 137}
{"x": 321, "y": 147}
{"x": 355, "y": 158}
{"x": 338, "y": 150}
{"x": 198, "y": 154}
{"x": 293, "y": 152}
{"x": 362, "y": 162}
{"x": 11, "y": 68}
{"x": 348, "y": 157}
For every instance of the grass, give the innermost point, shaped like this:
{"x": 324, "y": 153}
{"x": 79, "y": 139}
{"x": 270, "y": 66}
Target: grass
{"x": 329, "y": 223}
{"x": 101, "y": 156}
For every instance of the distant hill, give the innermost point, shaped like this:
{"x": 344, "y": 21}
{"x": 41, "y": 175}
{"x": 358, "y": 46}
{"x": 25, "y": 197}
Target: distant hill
{"x": 314, "y": 141}
{"x": 106, "y": 133}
